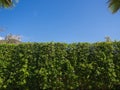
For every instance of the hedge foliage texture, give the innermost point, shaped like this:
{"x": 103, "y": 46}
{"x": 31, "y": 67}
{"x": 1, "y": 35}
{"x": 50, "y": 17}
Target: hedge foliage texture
{"x": 60, "y": 66}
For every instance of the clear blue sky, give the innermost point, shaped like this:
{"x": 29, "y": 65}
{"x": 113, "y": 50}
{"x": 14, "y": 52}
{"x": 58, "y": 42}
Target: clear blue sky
{"x": 61, "y": 21}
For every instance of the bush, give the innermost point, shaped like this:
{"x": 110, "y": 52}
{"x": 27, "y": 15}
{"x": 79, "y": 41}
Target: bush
{"x": 60, "y": 66}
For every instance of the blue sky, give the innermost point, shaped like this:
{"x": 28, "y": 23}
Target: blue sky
{"x": 61, "y": 21}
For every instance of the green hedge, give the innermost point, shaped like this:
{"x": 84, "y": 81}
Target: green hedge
{"x": 60, "y": 66}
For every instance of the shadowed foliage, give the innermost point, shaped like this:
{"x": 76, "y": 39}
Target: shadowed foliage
{"x": 114, "y": 5}
{"x": 7, "y": 3}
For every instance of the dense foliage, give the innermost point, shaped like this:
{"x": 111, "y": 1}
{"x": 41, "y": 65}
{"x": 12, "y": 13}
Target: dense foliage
{"x": 60, "y": 66}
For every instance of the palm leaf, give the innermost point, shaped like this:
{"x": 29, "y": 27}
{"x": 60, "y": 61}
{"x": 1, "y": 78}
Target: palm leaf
{"x": 114, "y": 5}
{"x": 7, "y": 3}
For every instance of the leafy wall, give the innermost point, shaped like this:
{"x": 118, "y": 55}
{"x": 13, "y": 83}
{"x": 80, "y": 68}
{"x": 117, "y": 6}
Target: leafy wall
{"x": 60, "y": 66}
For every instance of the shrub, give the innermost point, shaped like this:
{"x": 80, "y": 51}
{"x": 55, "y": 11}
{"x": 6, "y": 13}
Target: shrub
{"x": 60, "y": 66}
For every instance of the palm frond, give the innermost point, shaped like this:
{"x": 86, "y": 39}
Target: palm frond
{"x": 114, "y": 5}
{"x": 7, "y": 3}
